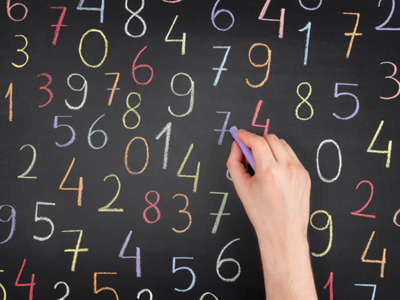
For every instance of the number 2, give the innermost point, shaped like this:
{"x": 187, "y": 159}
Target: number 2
{"x": 357, "y": 213}
{"x": 381, "y": 27}
{"x": 24, "y": 175}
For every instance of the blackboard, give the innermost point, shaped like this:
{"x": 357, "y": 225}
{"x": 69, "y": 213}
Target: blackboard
{"x": 113, "y": 138}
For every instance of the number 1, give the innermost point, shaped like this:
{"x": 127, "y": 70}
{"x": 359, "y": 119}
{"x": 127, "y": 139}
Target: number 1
{"x": 10, "y": 105}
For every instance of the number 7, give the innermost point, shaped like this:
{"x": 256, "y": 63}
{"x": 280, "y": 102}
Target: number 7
{"x": 221, "y": 67}
{"x": 352, "y": 34}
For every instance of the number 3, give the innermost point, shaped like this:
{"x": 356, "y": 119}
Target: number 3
{"x": 22, "y": 50}
{"x": 391, "y": 77}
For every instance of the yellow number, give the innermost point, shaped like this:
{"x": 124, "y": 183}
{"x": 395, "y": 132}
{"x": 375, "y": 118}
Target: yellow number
{"x": 304, "y": 101}
{"x": 105, "y": 48}
{"x": 328, "y": 224}
{"x": 388, "y": 152}
{"x": 183, "y": 40}
{"x": 132, "y": 109}
{"x": 196, "y": 177}
{"x": 77, "y": 249}
{"x": 107, "y": 207}
{"x": 22, "y": 50}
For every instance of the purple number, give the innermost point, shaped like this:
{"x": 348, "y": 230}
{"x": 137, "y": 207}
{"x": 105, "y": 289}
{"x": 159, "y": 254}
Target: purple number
{"x": 380, "y": 27}
{"x": 314, "y": 8}
{"x": 223, "y": 130}
{"x": 137, "y": 257}
{"x": 56, "y": 125}
{"x": 214, "y": 14}
{"x": 12, "y": 218}
{"x": 337, "y": 95}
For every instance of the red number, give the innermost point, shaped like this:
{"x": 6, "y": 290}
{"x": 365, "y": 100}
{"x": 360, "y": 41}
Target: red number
{"x": 59, "y": 23}
{"x": 45, "y": 87}
{"x": 152, "y": 205}
{"x": 256, "y": 116}
{"x": 135, "y": 67}
{"x": 31, "y": 284}
{"x": 330, "y": 284}
{"x": 357, "y": 213}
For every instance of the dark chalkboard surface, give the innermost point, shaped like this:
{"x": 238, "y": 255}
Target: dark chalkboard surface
{"x": 113, "y": 140}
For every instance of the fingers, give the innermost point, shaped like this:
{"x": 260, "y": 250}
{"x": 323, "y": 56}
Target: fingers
{"x": 260, "y": 148}
{"x": 267, "y": 149}
{"x": 235, "y": 165}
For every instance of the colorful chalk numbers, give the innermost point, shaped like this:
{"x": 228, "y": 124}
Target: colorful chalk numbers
{"x": 114, "y": 137}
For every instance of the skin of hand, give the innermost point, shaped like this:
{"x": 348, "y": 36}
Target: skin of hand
{"x": 277, "y": 201}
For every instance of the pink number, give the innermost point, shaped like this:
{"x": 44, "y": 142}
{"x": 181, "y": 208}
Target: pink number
{"x": 152, "y": 205}
{"x": 330, "y": 284}
{"x": 14, "y": 5}
{"x": 45, "y": 87}
{"x": 391, "y": 77}
{"x": 135, "y": 67}
{"x": 255, "y": 118}
{"x": 358, "y": 212}
{"x": 281, "y": 20}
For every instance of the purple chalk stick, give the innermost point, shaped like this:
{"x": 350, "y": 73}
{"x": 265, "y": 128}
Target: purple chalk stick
{"x": 246, "y": 150}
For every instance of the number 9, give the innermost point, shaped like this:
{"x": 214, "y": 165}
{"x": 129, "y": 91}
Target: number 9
{"x": 12, "y": 218}
{"x": 328, "y": 224}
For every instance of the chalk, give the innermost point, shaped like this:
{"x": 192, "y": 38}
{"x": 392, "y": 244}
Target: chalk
{"x": 246, "y": 150}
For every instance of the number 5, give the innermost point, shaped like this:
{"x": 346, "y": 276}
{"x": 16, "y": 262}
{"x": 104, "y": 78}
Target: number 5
{"x": 183, "y": 268}
{"x": 337, "y": 95}
{"x": 37, "y": 219}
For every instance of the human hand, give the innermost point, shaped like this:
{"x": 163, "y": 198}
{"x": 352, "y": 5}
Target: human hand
{"x": 277, "y": 200}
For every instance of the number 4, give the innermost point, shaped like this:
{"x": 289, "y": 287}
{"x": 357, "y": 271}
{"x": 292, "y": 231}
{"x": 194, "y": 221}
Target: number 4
{"x": 373, "y": 261}
{"x": 79, "y": 188}
{"x": 196, "y": 177}
{"x": 183, "y": 40}
{"x": 31, "y": 284}
{"x": 281, "y": 20}
{"x": 388, "y": 152}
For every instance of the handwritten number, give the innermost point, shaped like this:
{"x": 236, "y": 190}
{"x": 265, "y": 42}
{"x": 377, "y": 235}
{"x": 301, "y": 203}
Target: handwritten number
{"x": 281, "y": 20}
{"x": 135, "y": 14}
{"x": 12, "y": 218}
{"x": 267, "y": 63}
{"x": 99, "y": 9}
{"x": 24, "y": 175}
{"x": 391, "y": 77}
{"x": 46, "y": 88}
{"x": 329, "y": 224}
{"x": 9, "y": 8}
{"x": 358, "y": 212}
{"x": 215, "y": 13}
{"x": 381, "y": 27}
{"x": 22, "y": 50}
{"x": 66, "y": 289}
